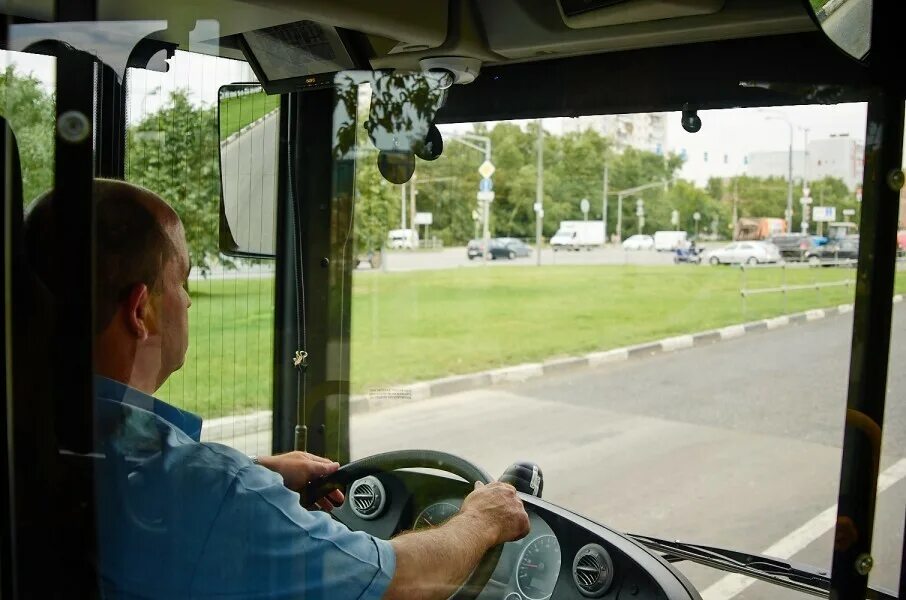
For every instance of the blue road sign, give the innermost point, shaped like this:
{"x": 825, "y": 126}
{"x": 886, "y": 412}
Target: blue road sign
{"x": 486, "y": 185}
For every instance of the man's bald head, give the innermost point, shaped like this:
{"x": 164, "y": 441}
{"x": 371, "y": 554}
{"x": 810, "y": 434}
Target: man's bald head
{"x": 133, "y": 243}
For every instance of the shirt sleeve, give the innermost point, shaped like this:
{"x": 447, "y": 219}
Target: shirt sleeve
{"x": 263, "y": 544}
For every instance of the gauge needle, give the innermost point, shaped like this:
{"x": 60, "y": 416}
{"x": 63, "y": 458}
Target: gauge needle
{"x": 428, "y": 521}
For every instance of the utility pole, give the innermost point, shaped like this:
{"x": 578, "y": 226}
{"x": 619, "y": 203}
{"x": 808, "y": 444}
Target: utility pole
{"x": 619, "y": 217}
{"x": 412, "y": 193}
{"x": 735, "y": 205}
{"x": 604, "y": 205}
{"x": 403, "y": 206}
{"x": 539, "y": 193}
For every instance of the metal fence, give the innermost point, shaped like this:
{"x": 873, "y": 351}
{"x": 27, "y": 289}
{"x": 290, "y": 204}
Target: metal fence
{"x": 745, "y": 292}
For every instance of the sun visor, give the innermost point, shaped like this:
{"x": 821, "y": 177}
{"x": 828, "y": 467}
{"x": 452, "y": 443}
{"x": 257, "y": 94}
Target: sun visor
{"x": 294, "y": 56}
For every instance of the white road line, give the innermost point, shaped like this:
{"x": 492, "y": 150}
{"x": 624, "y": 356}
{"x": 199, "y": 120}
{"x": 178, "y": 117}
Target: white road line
{"x": 732, "y": 585}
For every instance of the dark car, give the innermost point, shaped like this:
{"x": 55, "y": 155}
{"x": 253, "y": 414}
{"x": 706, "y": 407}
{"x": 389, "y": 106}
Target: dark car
{"x": 508, "y": 248}
{"x": 795, "y": 247}
{"x": 843, "y": 251}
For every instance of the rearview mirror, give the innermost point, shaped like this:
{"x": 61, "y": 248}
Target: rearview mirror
{"x": 248, "y": 120}
{"x": 846, "y": 22}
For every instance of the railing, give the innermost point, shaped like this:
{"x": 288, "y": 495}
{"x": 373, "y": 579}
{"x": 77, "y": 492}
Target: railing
{"x": 745, "y": 292}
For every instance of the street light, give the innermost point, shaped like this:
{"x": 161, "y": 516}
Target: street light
{"x": 632, "y": 191}
{"x": 789, "y": 193}
{"x": 481, "y": 143}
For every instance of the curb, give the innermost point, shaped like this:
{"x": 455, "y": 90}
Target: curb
{"x": 235, "y": 135}
{"x": 221, "y": 428}
{"x": 828, "y": 9}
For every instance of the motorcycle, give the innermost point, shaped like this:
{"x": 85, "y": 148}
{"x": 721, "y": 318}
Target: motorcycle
{"x": 688, "y": 255}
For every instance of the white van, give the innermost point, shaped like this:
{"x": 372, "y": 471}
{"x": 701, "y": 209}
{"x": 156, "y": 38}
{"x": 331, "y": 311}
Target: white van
{"x": 398, "y": 239}
{"x": 668, "y": 241}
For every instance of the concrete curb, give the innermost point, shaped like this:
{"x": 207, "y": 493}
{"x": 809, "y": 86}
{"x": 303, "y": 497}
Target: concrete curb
{"x": 829, "y": 9}
{"x": 234, "y": 136}
{"x": 215, "y": 429}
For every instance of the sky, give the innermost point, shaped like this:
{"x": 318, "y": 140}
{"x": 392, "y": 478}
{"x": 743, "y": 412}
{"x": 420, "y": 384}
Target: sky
{"x": 735, "y": 132}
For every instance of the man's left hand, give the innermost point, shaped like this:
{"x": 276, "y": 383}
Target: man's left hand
{"x": 298, "y": 469}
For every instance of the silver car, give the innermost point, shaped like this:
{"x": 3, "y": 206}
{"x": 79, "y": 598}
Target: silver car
{"x": 750, "y": 253}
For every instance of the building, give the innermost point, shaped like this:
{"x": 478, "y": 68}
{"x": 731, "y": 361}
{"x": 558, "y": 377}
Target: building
{"x": 643, "y": 131}
{"x": 838, "y": 156}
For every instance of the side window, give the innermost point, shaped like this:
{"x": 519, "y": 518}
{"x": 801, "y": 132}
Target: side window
{"x": 173, "y": 150}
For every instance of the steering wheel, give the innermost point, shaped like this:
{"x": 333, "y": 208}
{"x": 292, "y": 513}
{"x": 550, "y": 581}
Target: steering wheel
{"x": 406, "y": 459}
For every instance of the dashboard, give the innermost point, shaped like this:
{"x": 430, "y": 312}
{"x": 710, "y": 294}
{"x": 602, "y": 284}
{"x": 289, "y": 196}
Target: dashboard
{"x": 564, "y": 556}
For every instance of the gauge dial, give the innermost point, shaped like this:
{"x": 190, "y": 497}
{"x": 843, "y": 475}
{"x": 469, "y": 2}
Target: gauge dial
{"x": 436, "y": 514}
{"x": 539, "y": 566}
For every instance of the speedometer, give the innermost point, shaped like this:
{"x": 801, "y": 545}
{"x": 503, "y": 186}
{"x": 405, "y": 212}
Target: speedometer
{"x": 436, "y": 514}
{"x": 539, "y": 566}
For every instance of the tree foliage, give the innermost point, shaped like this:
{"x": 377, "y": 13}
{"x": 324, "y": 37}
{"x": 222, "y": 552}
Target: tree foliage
{"x": 30, "y": 111}
{"x": 174, "y": 152}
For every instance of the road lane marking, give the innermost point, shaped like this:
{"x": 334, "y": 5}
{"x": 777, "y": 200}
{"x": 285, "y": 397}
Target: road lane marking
{"x": 730, "y": 586}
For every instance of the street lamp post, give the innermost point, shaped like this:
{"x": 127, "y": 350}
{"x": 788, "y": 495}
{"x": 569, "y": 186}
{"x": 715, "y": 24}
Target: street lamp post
{"x": 789, "y": 192}
{"x": 539, "y": 193}
{"x": 481, "y": 143}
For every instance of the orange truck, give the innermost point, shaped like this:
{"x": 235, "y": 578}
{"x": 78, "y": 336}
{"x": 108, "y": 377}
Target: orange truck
{"x": 758, "y": 228}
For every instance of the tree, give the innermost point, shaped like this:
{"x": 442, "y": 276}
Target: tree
{"x": 30, "y": 112}
{"x": 174, "y": 153}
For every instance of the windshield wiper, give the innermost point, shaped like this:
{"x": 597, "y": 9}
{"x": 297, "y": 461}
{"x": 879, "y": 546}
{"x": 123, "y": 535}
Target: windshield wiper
{"x": 803, "y": 578}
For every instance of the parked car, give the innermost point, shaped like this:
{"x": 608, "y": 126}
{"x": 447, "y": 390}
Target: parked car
{"x": 844, "y": 251}
{"x": 638, "y": 242}
{"x": 474, "y": 249}
{"x": 508, "y": 248}
{"x": 750, "y": 253}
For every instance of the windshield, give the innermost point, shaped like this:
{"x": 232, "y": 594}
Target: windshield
{"x": 582, "y": 364}
{"x": 701, "y": 400}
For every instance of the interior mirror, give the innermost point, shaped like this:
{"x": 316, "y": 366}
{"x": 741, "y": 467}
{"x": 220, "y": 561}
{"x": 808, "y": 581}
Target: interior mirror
{"x": 846, "y": 22}
{"x": 249, "y": 122}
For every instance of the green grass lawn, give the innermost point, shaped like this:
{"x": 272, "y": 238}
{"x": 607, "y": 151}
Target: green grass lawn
{"x": 408, "y": 327}
{"x": 239, "y": 111}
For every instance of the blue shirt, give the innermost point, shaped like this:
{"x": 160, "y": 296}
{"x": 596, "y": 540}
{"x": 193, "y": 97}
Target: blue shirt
{"x": 182, "y": 519}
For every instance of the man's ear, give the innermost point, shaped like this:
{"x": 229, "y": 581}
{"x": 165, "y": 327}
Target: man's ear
{"x": 140, "y": 312}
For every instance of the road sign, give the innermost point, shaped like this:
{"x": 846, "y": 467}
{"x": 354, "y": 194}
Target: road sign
{"x": 824, "y": 214}
{"x": 485, "y": 196}
{"x": 537, "y": 207}
{"x": 486, "y": 185}
{"x": 584, "y": 205}
{"x": 424, "y": 218}
{"x": 486, "y": 169}
{"x": 697, "y": 216}
{"x": 805, "y": 201}
{"x": 848, "y": 212}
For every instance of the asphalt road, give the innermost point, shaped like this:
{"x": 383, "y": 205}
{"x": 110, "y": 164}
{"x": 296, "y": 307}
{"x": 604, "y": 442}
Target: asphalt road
{"x": 249, "y": 165}
{"x": 452, "y": 258}
{"x": 736, "y": 444}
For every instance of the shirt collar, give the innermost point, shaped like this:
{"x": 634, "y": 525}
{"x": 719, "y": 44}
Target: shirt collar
{"x": 109, "y": 389}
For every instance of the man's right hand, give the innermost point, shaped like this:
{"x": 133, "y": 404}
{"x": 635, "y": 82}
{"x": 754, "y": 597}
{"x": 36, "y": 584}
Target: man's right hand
{"x": 498, "y": 507}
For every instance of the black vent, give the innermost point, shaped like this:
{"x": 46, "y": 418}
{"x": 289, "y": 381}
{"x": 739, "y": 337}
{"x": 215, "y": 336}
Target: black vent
{"x": 592, "y": 571}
